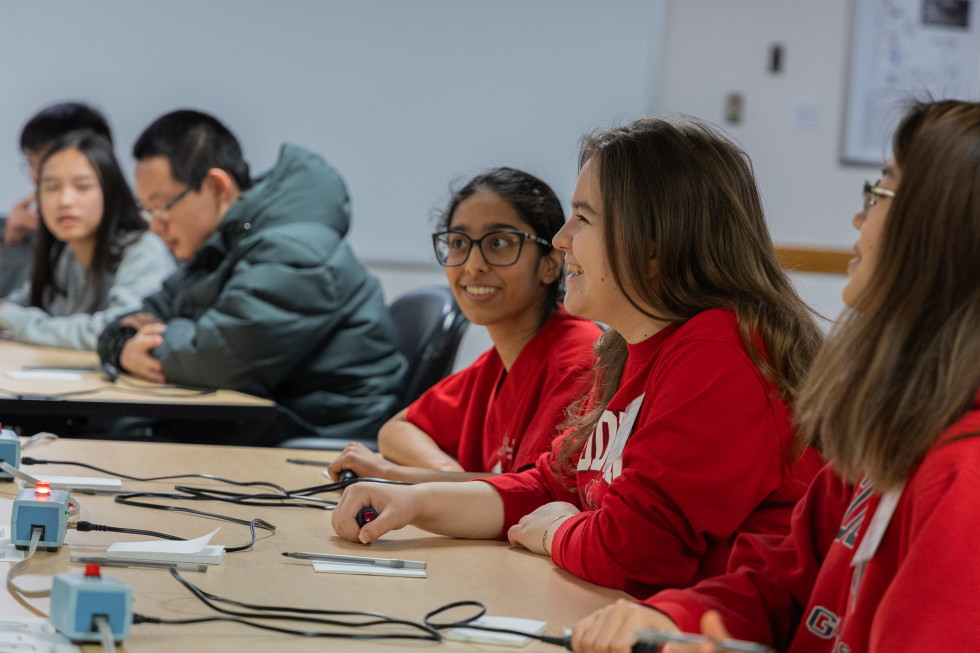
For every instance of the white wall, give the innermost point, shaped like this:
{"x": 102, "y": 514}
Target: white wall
{"x": 404, "y": 97}
{"x": 792, "y": 121}
{"x": 401, "y": 97}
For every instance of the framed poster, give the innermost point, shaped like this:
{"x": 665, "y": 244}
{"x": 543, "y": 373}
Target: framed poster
{"x": 904, "y": 49}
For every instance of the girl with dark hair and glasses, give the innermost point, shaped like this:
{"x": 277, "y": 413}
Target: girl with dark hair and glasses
{"x": 685, "y": 437}
{"x": 501, "y": 413}
{"x": 94, "y": 259}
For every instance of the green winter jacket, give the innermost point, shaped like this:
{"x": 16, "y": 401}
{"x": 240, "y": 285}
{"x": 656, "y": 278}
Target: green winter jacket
{"x": 275, "y": 304}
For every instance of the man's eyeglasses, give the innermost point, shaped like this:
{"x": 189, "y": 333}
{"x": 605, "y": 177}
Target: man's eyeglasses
{"x": 872, "y": 192}
{"x": 161, "y": 214}
{"x": 499, "y": 248}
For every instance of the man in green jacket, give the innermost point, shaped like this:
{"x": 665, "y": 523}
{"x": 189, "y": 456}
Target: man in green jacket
{"x": 271, "y": 300}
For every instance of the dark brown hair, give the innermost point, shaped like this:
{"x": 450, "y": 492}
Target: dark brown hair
{"x": 535, "y": 203}
{"x": 903, "y": 364}
{"x": 120, "y": 222}
{"x": 685, "y": 190}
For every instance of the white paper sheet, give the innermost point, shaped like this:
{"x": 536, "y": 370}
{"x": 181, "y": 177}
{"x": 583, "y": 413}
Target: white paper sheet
{"x": 500, "y": 639}
{"x": 196, "y": 550}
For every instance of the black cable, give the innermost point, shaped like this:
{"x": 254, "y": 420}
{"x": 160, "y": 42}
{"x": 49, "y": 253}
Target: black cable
{"x": 85, "y": 526}
{"x": 565, "y": 642}
{"x": 340, "y": 485}
{"x": 297, "y": 615}
{"x": 198, "y": 494}
{"x": 219, "y": 495}
{"x": 37, "y": 461}
{"x": 272, "y": 500}
{"x": 125, "y": 385}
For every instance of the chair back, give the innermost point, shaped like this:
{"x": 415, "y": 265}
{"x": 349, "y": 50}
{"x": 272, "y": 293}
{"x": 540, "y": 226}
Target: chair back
{"x": 429, "y": 326}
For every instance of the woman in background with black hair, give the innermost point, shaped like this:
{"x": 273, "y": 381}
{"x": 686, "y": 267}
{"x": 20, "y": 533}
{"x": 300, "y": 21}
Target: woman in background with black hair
{"x": 94, "y": 258}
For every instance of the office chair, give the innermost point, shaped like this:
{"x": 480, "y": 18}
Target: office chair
{"x": 429, "y": 327}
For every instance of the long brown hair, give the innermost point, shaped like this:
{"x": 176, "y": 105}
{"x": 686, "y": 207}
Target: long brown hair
{"x": 120, "y": 223}
{"x": 904, "y": 362}
{"x": 687, "y": 189}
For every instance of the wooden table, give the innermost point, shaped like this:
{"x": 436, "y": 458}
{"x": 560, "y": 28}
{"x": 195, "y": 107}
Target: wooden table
{"x": 127, "y": 397}
{"x": 509, "y": 581}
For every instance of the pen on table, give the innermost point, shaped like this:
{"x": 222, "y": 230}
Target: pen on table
{"x": 96, "y": 491}
{"x": 357, "y": 560}
{"x": 60, "y": 368}
{"x": 659, "y": 637}
{"x": 130, "y": 562}
{"x": 305, "y": 461}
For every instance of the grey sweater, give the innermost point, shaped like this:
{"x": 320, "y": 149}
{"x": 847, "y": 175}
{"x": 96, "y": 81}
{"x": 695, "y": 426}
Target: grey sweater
{"x": 144, "y": 265}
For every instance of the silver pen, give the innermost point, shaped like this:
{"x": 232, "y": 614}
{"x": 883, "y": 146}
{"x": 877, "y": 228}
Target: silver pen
{"x": 133, "y": 562}
{"x": 393, "y": 563}
{"x": 60, "y": 368}
{"x": 306, "y": 461}
{"x": 658, "y": 637}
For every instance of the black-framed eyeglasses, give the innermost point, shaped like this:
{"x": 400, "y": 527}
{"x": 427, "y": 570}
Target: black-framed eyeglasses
{"x": 499, "y": 248}
{"x": 871, "y": 194}
{"x": 161, "y": 214}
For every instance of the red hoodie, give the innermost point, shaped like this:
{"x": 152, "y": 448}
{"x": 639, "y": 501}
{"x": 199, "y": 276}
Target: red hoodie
{"x": 805, "y": 593}
{"x": 492, "y": 420}
{"x": 707, "y": 456}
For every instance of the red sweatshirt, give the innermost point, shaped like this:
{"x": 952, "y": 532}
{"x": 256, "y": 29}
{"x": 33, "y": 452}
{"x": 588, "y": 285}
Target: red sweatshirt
{"x": 706, "y": 457}
{"x": 492, "y": 420}
{"x": 918, "y": 591}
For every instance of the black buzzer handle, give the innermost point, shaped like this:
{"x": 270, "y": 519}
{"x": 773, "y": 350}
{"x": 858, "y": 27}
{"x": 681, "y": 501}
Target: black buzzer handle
{"x": 365, "y": 515}
{"x": 346, "y": 476}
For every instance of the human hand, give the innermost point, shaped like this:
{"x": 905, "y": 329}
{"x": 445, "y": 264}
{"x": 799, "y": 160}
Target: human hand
{"x": 21, "y": 221}
{"x": 362, "y": 461}
{"x": 537, "y": 529}
{"x": 140, "y": 320}
{"x": 397, "y": 507}
{"x": 136, "y": 358}
{"x": 612, "y": 629}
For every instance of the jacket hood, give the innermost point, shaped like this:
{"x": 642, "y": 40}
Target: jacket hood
{"x": 300, "y": 187}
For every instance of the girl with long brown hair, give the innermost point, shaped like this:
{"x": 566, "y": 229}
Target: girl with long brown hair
{"x": 685, "y": 438}
{"x": 881, "y": 553}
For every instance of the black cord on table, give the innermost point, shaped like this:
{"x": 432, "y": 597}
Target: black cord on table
{"x": 37, "y": 461}
{"x": 84, "y": 526}
{"x": 296, "y": 615}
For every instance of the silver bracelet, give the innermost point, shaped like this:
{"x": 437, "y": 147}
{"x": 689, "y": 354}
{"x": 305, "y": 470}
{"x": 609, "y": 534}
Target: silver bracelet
{"x": 544, "y": 538}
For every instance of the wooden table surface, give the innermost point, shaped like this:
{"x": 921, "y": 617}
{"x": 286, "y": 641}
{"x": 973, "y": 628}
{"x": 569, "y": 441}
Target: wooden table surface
{"x": 509, "y": 581}
{"x": 126, "y": 397}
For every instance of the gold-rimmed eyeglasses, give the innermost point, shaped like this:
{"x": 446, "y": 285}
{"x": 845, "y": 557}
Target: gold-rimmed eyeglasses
{"x": 872, "y": 192}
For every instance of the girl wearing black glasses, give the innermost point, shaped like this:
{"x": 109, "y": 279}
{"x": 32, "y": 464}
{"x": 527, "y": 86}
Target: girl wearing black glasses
{"x": 685, "y": 438}
{"x": 94, "y": 259}
{"x": 501, "y": 413}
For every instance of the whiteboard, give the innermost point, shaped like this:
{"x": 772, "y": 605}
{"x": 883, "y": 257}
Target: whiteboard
{"x": 401, "y": 97}
{"x": 904, "y": 49}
